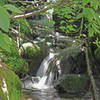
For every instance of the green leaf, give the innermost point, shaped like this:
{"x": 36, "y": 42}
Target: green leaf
{"x": 80, "y": 15}
{"x": 2, "y": 2}
{"x": 4, "y": 19}
{"x": 85, "y": 2}
{"x": 5, "y": 42}
{"x": 12, "y": 8}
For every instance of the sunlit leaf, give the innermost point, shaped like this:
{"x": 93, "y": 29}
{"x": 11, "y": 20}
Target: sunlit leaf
{"x": 5, "y": 42}
{"x": 4, "y": 19}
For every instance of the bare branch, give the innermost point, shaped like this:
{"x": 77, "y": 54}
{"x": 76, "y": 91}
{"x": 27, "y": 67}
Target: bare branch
{"x": 36, "y": 12}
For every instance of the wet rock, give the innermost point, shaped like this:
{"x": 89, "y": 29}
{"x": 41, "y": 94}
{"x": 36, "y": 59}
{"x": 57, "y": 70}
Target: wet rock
{"x": 10, "y": 85}
{"x": 72, "y": 61}
{"x": 33, "y": 55}
{"x": 74, "y": 83}
{"x": 72, "y": 58}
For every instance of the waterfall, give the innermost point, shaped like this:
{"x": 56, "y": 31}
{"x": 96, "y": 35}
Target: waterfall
{"x": 45, "y": 81}
{"x": 44, "y": 77}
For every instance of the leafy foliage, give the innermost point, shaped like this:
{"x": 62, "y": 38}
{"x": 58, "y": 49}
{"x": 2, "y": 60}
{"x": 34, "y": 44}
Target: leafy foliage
{"x": 12, "y": 8}
{"x": 18, "y": 65}
{"x": 4, "y": 19}
{"x": 24, "y": 26}
{"x": 5, "y": 42}
{"x": 13, "y": 84}
{"x": 2, "y": 2}
{"x": 79, "y": 17}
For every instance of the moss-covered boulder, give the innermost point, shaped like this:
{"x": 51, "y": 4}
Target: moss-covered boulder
{"x": 74, "y": 83}
{"x": 29, "y": 50}
{"x": 34, "y": 55}
{"x": 10, "y": 85}
{"x": 72, "y": 57}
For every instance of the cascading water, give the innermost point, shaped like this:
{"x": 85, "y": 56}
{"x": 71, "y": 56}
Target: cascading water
{"x": 43, "y": 79}
{"x": 42, "y": 73}
{"x": 43, "y": 82}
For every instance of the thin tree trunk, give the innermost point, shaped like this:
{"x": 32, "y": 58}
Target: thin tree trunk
{"x": 89, "y": 70}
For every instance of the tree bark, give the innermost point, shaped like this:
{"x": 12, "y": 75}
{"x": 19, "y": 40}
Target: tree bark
{"x": 89, "y": 70}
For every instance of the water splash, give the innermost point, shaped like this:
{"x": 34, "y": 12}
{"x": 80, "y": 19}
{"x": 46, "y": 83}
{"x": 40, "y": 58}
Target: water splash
{"x": 44, "y": 83}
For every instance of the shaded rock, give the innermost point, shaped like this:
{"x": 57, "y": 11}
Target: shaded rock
{"x": 37, "y": 59}
{"x": 10, "y": 85}
{"x": 97, "y": 55}
{"x": 33, "y": 55}
{"x": 72, "y": 58}
{"x": 74, "y": 83}
{"x": 72, "y": 65}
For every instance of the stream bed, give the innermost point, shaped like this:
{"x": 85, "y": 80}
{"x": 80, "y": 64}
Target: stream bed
{"x": 53, "y": 95}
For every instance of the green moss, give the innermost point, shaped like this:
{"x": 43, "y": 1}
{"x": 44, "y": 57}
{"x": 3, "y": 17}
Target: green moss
{"x": 30, "y": 52}
{"x": 18, "y": 65}
{"x": 13, "y": 50}
{"x": 75, "y": 83}
{"x": 13, "y": 59}
{"x": 13, "y": 84}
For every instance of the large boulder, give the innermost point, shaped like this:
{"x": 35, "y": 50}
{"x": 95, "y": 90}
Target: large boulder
{"x": 72, "y": 64}
{"x": 10, "y": 85}
{"x": 74, "y": 83}
{"x": 72, "y": 57}
{"x": 34, "y": 55}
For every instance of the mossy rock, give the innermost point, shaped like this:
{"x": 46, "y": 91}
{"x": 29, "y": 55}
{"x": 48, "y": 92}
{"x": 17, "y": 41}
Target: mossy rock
{"x": 75, "y": 83}
{"x": 10, "y": 85}
{"x": 13, "y": 50}
{"x": 29, "y": 51}
{"x": 18, "y": 65}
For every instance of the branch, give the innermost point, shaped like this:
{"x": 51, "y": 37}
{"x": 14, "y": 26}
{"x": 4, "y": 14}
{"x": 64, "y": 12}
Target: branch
{"x": 37, "y": 12}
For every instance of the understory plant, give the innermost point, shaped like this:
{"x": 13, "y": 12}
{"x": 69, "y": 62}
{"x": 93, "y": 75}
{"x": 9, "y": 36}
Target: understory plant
{"x": 80, "y": 17}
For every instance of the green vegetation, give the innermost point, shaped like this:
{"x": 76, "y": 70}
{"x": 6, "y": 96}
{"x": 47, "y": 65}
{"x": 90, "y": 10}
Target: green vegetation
{"x": 13, "y": 84}
{"x": 18, "y": 65}
{"x": 24, "y": 26}
{"x": 78, "y": 18}
{"x": 30, "y": 52}
{"x": 75, "y": 83}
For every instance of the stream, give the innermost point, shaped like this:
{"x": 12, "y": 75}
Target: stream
{"x": 41, "y": 86}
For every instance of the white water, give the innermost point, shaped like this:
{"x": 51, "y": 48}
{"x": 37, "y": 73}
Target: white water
{"x": 42, "y": 73}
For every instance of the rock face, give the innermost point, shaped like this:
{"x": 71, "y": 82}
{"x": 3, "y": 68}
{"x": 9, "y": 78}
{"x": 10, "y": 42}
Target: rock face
{"x": 10, "y": 85}
{"x": 72, "y": 58}
{"x": 72, "y": 64}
